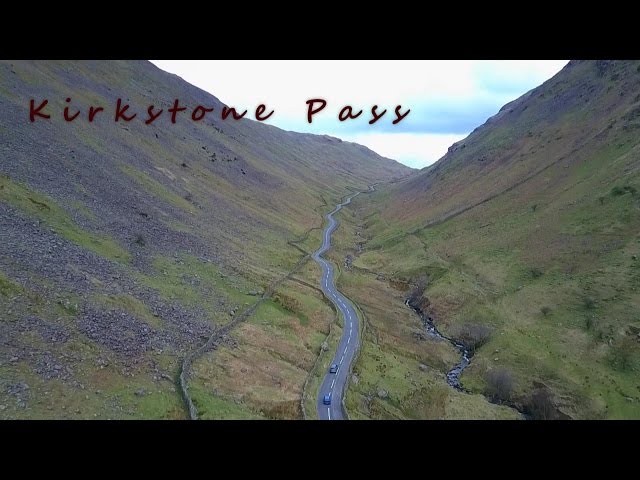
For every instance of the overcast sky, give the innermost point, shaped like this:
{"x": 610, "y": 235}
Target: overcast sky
{"x": 448, "y": 99}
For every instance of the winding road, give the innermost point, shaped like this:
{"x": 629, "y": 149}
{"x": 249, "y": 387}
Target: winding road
{"x": 334, "y": 383}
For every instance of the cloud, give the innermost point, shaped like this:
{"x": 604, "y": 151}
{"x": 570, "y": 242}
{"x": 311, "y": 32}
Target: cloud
{"x": 456, "y": 115}
{"x": 513, "y": 77}
{"x": 417, "y": 150}
{"x": 445, "y": 97}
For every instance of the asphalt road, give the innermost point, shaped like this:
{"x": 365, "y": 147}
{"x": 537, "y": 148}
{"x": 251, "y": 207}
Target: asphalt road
{"x": 334, "y": 383}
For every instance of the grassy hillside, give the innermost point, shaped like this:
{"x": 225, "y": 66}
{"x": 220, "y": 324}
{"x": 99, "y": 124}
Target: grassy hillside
{"x": 123, "y": 245}
{"x": 530, "y": 229}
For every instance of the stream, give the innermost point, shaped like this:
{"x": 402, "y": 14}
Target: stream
{"x": 453, "y": 375}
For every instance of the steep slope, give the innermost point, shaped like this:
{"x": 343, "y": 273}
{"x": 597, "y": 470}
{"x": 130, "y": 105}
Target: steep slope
{"x": 123, "y": 245}
{"x": 527, "y": 232}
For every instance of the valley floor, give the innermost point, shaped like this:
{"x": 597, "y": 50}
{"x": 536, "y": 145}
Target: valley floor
{"x": 556, "y": 339}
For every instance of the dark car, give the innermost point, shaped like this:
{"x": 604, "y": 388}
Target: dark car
{"x": 333, "y": 369}
{"x": 327, "y": 399}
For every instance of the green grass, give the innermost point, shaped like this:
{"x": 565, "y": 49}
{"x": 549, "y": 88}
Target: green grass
{"x": 157, "y": 402}
{"x": 83, "y": 210}
{"x": 16, "y": 301}
{"x": 278, "y": 319}
{"x": 132, "y": 305}
{"x": 242, "y": 221}
{"x": 266, "y": 365}
{"x": 213, "y": 407}
{"x": 410, "y": 392}
{"x": 105, "y": 392}
{"x": 156, "y": 188}
{"x": 390, "y": 358}
{"x": 50, "y": 213}
{"x": 193, "y": 282}
{"x": 159, "y": 405}
{"x": 500, "y": 263}
{"x": 8, "y": 288}
{"x": 292, "y": 302}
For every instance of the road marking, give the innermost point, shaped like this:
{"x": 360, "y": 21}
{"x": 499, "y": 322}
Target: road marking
{"x": 340, "y": 301}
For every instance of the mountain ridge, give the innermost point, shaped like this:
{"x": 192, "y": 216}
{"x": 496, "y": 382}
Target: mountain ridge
{"x": 524, "y": 239}
{"x": 131, "y": 243}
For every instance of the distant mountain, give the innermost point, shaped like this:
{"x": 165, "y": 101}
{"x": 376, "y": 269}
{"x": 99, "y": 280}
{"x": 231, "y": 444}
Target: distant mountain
{"x": 123, "y": 245}
{"x": 530, "y": 228}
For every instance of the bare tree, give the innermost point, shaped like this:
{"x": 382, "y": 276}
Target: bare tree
{"x": 541, "y": 405}
{"x": 499, "y": 384}
{"x": 418, "y": 290}
{"x": 473, "y": 335}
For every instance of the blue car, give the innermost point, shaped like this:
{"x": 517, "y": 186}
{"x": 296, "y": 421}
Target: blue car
{"x": 333, "y": 369}
{"x": 327, "y": 399}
